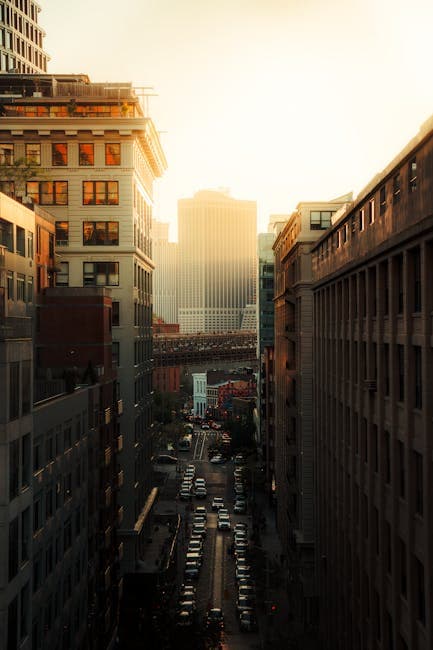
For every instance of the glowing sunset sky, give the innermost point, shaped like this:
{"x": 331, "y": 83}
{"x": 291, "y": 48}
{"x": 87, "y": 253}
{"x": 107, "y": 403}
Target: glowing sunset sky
{"x": 280, "y": 101}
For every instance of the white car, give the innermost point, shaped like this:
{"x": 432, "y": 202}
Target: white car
{"x": 201, "y": 510}
{"x": 200, "y": 492}
{"x": 199, "y": 482}
{"x": 224, "y": 523}
{"x": 217, "y": 503}
{"x": 217, "y": 459}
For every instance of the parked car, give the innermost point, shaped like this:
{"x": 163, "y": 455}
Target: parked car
{"x": 185, "y": 494}
{"x": 240, "y": 525}
{"x": 200, "y": 492}
{"x": 191, "y": 570}
{"x": 166, "y": 459}
{"x": 242, "y": 572}
{"x": 244, "y": 603}
{"x": 240, "y": 506}
{"x": 184, "y": 619}
{"x": 199, "y": 529}
{"x": 239, "y": 459}
{"x": 205, "y": 426}
{"x": 247, "y": 621}
{"x": 194, "y": 556}
{"x": 201, "y": 510}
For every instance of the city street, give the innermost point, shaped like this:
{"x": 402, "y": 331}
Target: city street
{"x": 216, "y": 585}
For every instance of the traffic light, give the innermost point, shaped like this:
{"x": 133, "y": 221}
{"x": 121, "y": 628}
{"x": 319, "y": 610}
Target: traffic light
{"x": 272, "y": 608}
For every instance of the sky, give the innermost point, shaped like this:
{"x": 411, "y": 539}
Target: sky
{"x": 278, "y": 101}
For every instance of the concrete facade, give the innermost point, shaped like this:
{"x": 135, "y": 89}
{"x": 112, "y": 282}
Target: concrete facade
{"x": 98, "y": 155}
{"x": 165, "y": 275}
{"x": 293, "y": 375}
{"x": 373, "y": 413}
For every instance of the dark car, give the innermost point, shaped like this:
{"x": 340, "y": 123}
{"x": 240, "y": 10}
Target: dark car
{"x": 215, "y": 618}
{"x": 165, "y": 459}
{"x": 247, "y": 621}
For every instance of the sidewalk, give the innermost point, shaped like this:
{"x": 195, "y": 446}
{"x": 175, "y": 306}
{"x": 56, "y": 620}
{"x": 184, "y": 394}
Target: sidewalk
{"x": 275, "y": 616}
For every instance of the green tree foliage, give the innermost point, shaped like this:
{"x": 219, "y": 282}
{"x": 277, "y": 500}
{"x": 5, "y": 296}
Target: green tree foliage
{"x": 19, "y": 172}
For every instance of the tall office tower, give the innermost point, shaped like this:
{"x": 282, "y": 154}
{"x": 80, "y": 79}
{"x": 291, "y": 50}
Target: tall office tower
{"x": 293, "y": 375}
{"x": 217, "y": 246}
{"x": 98, "y": 155}
{"x": 373, "y": 410}
{"x": 165, "y": 275}
{"x": 21, "y": 47}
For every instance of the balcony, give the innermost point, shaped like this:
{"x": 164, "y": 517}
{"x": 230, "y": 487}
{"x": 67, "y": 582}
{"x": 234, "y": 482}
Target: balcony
{"x": 107, "y": 415}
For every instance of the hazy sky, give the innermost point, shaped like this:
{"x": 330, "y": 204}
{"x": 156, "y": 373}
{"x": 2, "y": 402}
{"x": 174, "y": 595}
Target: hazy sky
{"x": 280, "y": 101}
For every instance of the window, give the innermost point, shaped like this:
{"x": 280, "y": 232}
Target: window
{"x": 382, "y": 199}
{"x": 417, "y": 358}
{"x": 14, "y": 392}
{"x": 62, "y": 277}
{"x": 320, "y": 219}
{"x": 59, "y": 154}
{"x": 418, "y": 479}
{"x": 399, "y": 282}
{"x": 86, "y": 155}
{"x": 100, "y": 233}
{"x": 6, "y": 154}
{"x": 48, "y": 192}
{"x": 30, "y": 251}
{"x": 403, "y": 568}
{"x": 6, "y": 234}
{"x": 100, "y": 193}
{"x": 415, "y": 260}
{"x": 67, "y": 435}
{"x": 62, "y": 233}
{"x": 396, "y": 188}
{"x": 13, "y": 548}
{"x": 20, "y": 244}
{"x": 14, "y": 464}
{"x": 33, "y": 153}
{"x": 400, "y": 372}
{"x": 25, "y": 461}
{"x": 371, "y": 208}
{"x": 412, "y": 175}
{"x": 25, "y": 386}
{"x": 112, "y": 154}
{"x": 101, "y": 274}
{"x": 115, "y": 353}
{"x": 37, "y": 513}
{"x": 420, "y": 590}
{"x": 25, "y": 535}
{"x": 29, "y": 289}
{"x": 21, "y": 286}
{"x": 10, "y": 285}
{"x": 402, "y": 469}
{"x": 115, "y": 313}
{"x": 7, "y": 187}
{"x": 387, "y": 456}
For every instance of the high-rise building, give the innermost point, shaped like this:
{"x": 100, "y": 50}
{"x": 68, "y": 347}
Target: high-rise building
{"x": 21, "y": 43}
{"x": 373, "y": 410}
{"x": 217, "y": 246}
{"x": 293, "y": 375}
{"x": 98, "y": 154}
{"x": 165, "y": 275}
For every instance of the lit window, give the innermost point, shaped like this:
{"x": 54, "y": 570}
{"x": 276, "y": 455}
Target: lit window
{"x": 62, "y": 233}
{"x": 6, "y": 154}
{"x": 59, "y": 152}
{"x": 112, "y": 154}
{"x": 33, "y": 153}
{"x": 48, "y": 192}
{"x": 100, "y": 193}
{"x": 100, "y": 233}
{"x": 86, "y": 154}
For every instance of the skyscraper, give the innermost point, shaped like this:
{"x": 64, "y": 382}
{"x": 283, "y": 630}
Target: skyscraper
{"x": 21, "y": 48}
{"x": 217, "y": 246}
{"x": 165, "y": 275}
